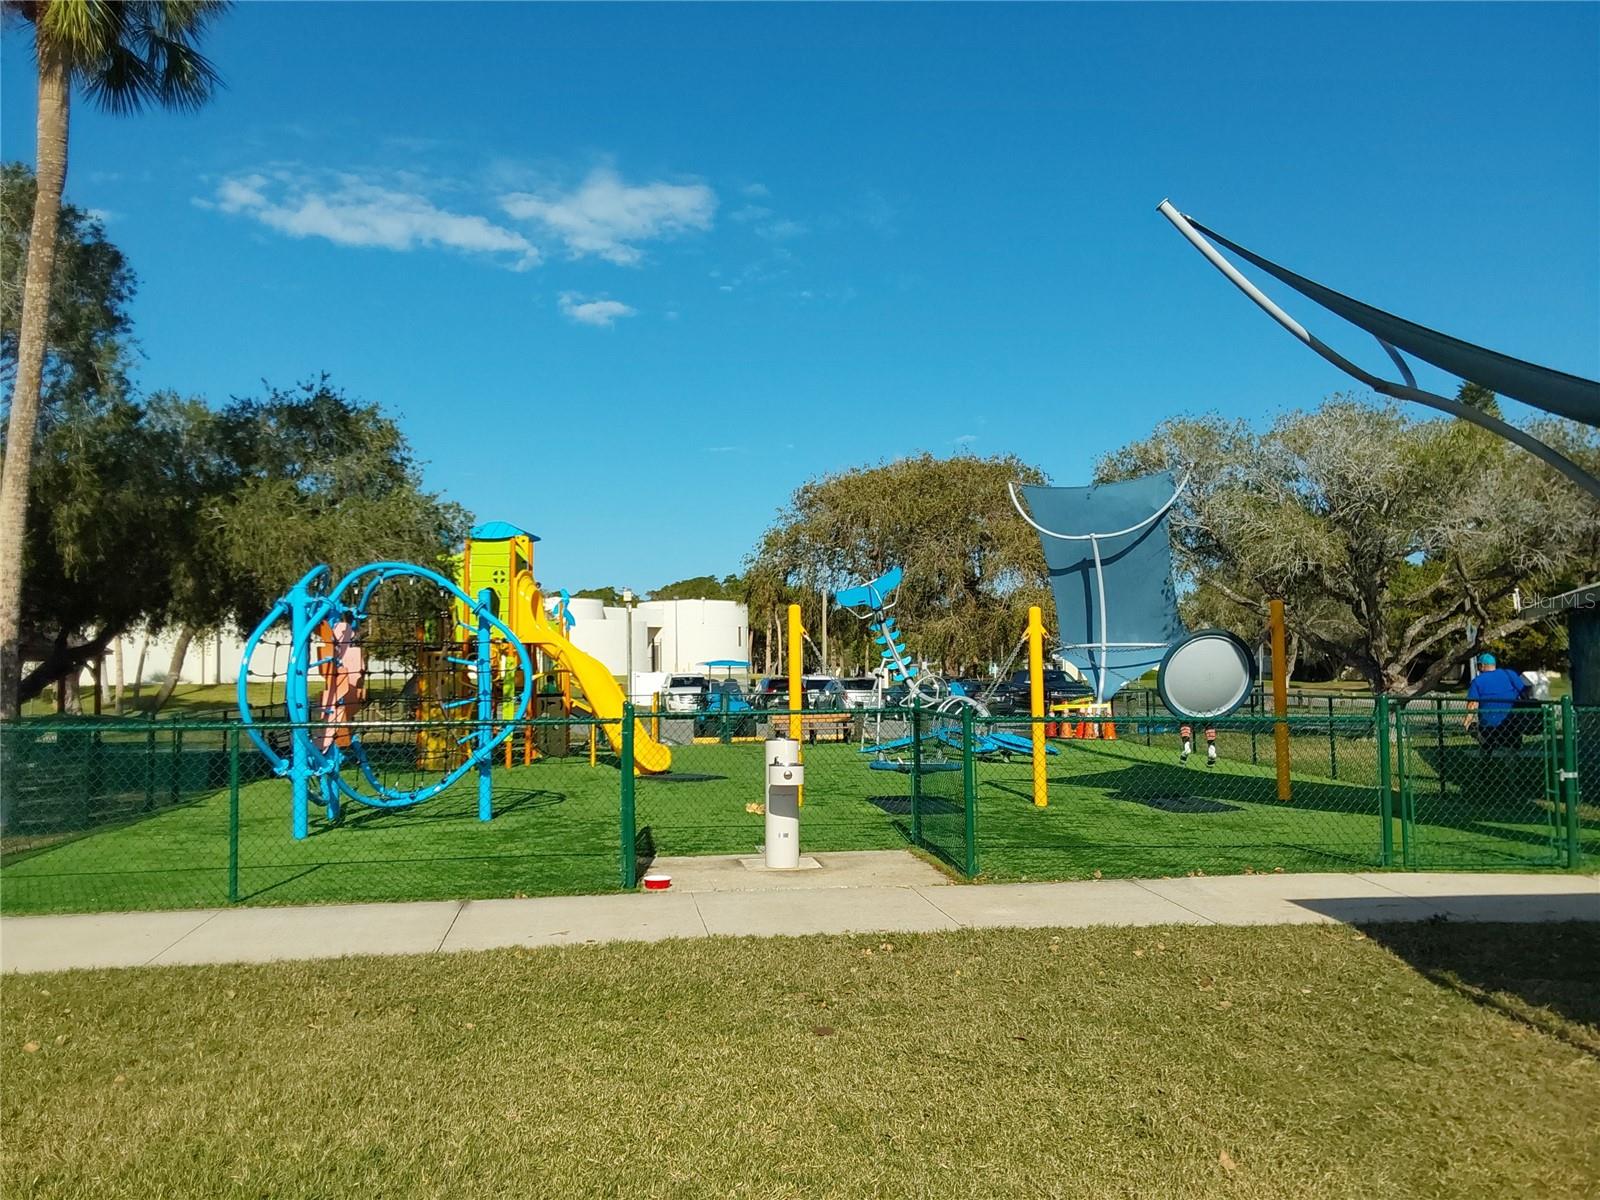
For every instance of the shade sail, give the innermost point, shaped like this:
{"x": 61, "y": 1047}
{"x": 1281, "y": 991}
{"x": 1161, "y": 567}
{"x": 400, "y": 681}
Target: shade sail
{"x": 1109, "y": 556}
{"x": 1543, "y": 387}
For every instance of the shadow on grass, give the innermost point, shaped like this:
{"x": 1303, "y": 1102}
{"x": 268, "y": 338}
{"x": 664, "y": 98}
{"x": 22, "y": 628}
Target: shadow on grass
{"x": 1514, "y": 803}
{"x": 1545, "y": 974}
{"x": 900, "y": 806}
{"x": 680, "y": 777}
{"x": 506, "y": 801}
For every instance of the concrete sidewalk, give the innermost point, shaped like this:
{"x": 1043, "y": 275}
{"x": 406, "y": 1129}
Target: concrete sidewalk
{"x": 329, "y": 931}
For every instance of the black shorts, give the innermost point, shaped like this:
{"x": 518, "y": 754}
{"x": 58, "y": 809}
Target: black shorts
{"x": 1504, "y": 736}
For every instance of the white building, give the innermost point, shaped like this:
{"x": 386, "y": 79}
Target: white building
{"x": 668, "y": 635}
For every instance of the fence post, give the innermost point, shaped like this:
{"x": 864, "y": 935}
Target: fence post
{"x": 1570, "y": 783}
{"x": 1402, "y": 744}
{"x": 174, "y": 776}
{"x": 1438, "y": 735}
{"x": 1385, "y": 797}
{"x": 1255, "y": 711}
{"x": 233, "y": 814}
{"x": 969, "y": 791}
{"x": 150, "y": 765}
{"x": 1333, "y": 746}
{"x": 916, "y": 771}
{"x": 629, "y": 835}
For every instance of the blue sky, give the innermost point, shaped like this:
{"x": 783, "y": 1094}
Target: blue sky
{"x": 629, "y": 275}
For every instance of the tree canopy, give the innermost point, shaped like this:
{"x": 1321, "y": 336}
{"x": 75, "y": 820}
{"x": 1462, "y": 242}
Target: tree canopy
{"x": 88, "y": 343}
{"x": 172, "y": 514}
{"x": 702, "y": 587}
{"x": 972, "y": 566}
{"x": 1385, "y": 535}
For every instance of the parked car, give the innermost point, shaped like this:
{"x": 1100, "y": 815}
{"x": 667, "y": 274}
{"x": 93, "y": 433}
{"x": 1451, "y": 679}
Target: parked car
{"x": 685, "y": 693}
{"x": 970, "y": 685}
{"x": 1014, "y": 695}
{"x": 771, "y": 692}
{"x": 822, "y": 691}
{"x": 860, "y": 691}
{"x": 816, "y": 691}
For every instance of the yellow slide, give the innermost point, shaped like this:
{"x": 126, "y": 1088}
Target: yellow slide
{"x": 599, "y": 688}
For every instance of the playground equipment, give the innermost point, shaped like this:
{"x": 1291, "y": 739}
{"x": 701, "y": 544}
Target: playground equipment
{"x": 475, "y": 648}
{"x": 498, "y": 557}
{"x": 871, "y": 602}
{"x": 326, "y": 621}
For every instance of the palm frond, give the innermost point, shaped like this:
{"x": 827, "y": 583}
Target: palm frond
{"x": 127, "y": 54}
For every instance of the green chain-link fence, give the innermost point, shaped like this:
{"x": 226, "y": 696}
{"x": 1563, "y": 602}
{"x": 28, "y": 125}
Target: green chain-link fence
{"x": 131, "y": 814}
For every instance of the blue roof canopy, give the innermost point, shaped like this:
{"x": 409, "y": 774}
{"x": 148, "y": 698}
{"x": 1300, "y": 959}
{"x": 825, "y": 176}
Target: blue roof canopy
{"x": 500, "y": 531}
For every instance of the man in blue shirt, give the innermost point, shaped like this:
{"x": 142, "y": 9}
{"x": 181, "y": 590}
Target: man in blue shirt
{"x": 1489, "y": 702}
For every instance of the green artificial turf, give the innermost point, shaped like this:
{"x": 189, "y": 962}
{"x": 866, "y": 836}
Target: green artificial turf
{"x": 1287, "y": 1062}
{"x": 161, "y": 837}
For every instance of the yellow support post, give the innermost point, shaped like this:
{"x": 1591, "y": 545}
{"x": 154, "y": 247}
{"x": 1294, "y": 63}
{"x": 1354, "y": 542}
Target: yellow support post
{"x": 1280, "y": 697}
{"x": 591, "y": 745}
{"x": 797, "y": 666}
{"x": 1041, "y": 785}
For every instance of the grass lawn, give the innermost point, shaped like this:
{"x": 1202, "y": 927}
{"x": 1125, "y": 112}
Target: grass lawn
{"x": 1432, "y": 1061}
{"x": 1119, "y": 808}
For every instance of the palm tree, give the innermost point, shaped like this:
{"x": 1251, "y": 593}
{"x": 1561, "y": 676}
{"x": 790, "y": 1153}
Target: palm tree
{"x": 124, "y": 55}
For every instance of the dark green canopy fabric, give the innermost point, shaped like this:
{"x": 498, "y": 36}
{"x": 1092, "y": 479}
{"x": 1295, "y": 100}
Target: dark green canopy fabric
{"x": 1553, "y": 391}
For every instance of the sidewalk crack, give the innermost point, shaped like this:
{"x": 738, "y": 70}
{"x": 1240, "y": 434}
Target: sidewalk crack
{"x": 186, "y": 933}
{"x": 454, "y": 917}
{"x": 1179, "y": 903}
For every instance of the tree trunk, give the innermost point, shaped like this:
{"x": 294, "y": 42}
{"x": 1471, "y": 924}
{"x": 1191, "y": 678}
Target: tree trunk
{"x": 51, "y": 174}
{"x": 180, "y": 651}
{"x": 138, "y": 668}
{"x": 72, "y": 696}
{"x": 116, "y": 703}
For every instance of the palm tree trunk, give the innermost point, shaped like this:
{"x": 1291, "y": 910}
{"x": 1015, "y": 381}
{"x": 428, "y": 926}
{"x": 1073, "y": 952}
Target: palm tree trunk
{"x": 180, "y": 651}
{"x": 121, "y": 654}
{"x": 51, "y": 174}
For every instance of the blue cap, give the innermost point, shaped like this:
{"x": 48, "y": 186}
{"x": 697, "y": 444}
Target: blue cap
{"x": 1486, "y": 659}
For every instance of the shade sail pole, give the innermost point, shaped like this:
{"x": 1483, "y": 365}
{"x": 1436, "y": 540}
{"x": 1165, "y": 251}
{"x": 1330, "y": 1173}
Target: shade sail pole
{"x": 1398, "y": 391}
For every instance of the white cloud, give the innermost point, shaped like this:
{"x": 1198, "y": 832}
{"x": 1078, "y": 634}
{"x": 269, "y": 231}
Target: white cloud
{"x": 966, "y": 439}
{"x": 352, "y": 211}
{"x": 598, "y": 311}
{"x": 605, "y": 217}
{"x": 755, "y": 190}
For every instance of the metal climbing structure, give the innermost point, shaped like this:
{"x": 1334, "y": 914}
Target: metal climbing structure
{"x": 321, "y": 748}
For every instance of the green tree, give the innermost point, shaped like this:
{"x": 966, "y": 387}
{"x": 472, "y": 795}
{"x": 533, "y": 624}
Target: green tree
{"x": 173, "y": 515}
{"x": 88, "y": 344}
{"x": 972, "y": 566}
{"x": 702, "y": 587}
{"x": 1385, "y": 535}
{"x": 123, "y": 56}
{"x": 609, "y": 596}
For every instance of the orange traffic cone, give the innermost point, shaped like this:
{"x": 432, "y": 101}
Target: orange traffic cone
{"x": 1109, "y": 731}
